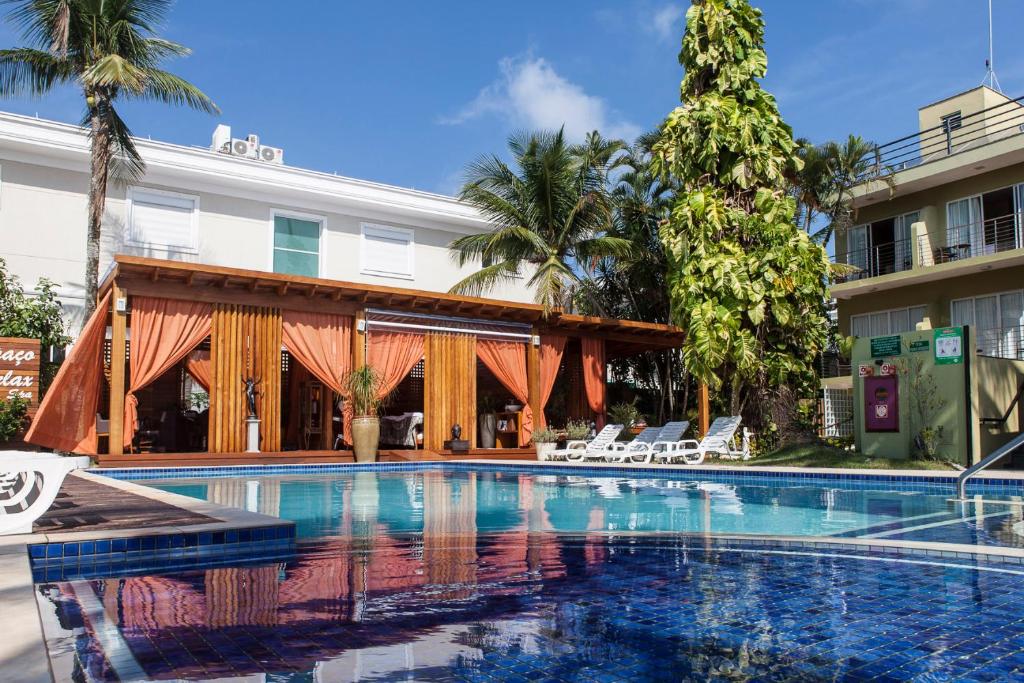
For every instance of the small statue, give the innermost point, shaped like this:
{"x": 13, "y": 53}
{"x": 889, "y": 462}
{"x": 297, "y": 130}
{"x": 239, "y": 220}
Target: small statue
{"x": 456, "y": 431}
{"x": 251, "y": 394}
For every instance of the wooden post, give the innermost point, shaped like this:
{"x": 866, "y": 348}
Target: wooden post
{"x": 703, "y": 409}
{"x": 359, "y": 340}
{"x": 533, "y": 378}
{"x": 118, "y": 326}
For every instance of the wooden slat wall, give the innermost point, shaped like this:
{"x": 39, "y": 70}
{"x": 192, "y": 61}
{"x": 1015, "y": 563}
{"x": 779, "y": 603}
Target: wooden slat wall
{"x": 244, "y": 341}
{"x": 449, "y": 379}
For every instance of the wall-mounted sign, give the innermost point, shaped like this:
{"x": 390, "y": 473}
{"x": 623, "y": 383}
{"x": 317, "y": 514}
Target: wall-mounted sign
{"x": 887, "y": 370}
{"x": 949, "y": 345}
{"x": 885, "y": 346}
{"x": 19, "y": 370}
{"x": 865, "y": 370}
{"x": 919, "y": 345}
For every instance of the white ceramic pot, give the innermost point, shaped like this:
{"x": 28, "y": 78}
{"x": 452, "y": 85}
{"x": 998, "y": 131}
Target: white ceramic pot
{"x": 544, "y": 450}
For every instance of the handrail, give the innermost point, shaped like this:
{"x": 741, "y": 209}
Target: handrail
{"x": 1006, "y": 416}
{"x": 999, "y": 453}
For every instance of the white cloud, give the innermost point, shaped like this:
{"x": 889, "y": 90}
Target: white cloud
{"x": 667, "y": 22}
{"x": 529, "y": 92}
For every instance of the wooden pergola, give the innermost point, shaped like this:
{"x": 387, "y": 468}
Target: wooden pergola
{"x": 248, "y": 305}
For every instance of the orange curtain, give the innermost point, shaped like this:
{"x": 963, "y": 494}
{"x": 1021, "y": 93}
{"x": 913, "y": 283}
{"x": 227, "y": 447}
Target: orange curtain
{"x": 66, "y": 419}
{"x": 507, "y": 360}
{"x": 198, "y": 365}
{"x": 393, "y": 355}
{"x": 163, "y": 332}
{"x": 551, "y": 349}
{"x": 594, "y": 376}
{"x": 322, "y": 343}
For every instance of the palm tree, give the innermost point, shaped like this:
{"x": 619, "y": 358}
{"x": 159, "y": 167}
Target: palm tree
{"x": 110, "y": 50}
{"x": 550, "y": 213}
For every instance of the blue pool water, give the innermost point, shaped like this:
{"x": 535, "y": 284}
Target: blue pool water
{"x": 521, "y": 575}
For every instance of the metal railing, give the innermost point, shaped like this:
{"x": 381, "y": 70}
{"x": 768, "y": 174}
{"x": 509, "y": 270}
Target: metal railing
{"x": 996, "y": 455}
{"x": 980, "y": 238}
{"x": 1003, "y": 120}
{"x": 1002, "y": 342}
{"x": 882, "y": 259}
{"x": 832, "y": 364}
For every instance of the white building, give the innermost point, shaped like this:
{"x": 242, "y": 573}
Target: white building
{"x": 220, "y": 208}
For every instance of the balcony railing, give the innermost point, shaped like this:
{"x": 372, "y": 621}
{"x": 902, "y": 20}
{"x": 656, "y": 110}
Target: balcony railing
{"x": 1001, "y": 121}
{"x": 881, "y": 259}
{"x": 974, "y": 239}
{"x": 1002, "y": 342}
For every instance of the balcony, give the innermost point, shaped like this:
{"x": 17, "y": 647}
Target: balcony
{"x": 881, "y": 259}
{"x": 980, "y": 238}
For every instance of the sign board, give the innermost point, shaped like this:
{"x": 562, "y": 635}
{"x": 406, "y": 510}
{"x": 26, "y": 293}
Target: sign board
{"x": 865, "y": 370}
{"x": 949, "y": 345}
{"x": 885, "y": 346}
{"x": 920, "y": 345}
{"x": 19, "y": 370}
{"x": 887, "y": 370}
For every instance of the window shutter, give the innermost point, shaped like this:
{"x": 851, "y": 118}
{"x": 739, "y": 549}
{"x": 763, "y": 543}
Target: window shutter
{"x": 162, "y": 221}
{"x": 387, "y": 251}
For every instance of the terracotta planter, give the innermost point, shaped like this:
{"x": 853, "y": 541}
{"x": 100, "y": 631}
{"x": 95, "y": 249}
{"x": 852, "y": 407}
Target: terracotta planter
{"x": 488, "y": 425}
{"x": 544, "y": 450}
{"x": 365, "y": 438}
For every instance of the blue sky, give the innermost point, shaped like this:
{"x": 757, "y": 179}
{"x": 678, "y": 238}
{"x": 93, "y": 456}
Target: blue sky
{"x": 409, "y": 92}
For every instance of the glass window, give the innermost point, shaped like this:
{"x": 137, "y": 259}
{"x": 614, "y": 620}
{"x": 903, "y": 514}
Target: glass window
{"x": 860, "y": 326}
{"x": 296, "y": 246}
{"x": 887, "y": 322}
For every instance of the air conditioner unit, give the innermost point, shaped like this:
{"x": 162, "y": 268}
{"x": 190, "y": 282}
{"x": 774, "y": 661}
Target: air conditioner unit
{"x": 273, "y": 155}
{"x": 244, "y": 148}
{"x": 221, "y": 139}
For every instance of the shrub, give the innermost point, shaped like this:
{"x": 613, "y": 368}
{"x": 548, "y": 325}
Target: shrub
{"x": 13, "y": 417}
{"x": 545, "y": 435}
{"x": 577, "y": 430}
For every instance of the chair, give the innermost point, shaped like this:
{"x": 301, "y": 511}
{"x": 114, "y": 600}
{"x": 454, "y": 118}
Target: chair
{"x": 647, "y": 445}
{"x": 720, "y": 440}
{"x": 593, "y": 450}
{"x": 29, "y": 483}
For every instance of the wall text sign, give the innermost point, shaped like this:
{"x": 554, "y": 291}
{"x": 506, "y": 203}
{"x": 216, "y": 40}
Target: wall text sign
{"x": 885, "y": 346}
{"x": 19, "y": 370}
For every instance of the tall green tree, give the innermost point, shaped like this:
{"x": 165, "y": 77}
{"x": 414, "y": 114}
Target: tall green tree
{"x": 551, "y": 213}
{"x": 747, "y": 284}
{"x": 634, "y": 286}
{"x": 109, "y": 49}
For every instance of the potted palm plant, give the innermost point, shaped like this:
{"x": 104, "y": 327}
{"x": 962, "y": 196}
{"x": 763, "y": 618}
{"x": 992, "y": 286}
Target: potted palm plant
{"x": 363, "y": 386}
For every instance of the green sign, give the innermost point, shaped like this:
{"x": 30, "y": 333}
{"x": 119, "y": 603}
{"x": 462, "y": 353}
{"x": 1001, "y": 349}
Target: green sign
{"x": 949, "y": 345}
{"x": 885, "y": 346}
{"x": 920, "y": 345}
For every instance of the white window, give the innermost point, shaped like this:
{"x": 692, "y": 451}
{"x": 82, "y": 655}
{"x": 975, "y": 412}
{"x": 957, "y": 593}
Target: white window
{"x": 892, "y": 321}
{"x": 998, "y": 320}
{"x": 165, "y": 221}
{"x": 384, "y": 250}
{"x": 296, "y": 246}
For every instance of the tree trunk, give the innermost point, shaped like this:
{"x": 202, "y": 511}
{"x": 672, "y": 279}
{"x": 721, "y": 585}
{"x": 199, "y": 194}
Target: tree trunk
{"x": 99, "y": 172}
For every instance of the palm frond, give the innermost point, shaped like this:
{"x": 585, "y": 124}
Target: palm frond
{"x": 165, "y": 87}
{"x": 29, "y": 72}
{"x": 486, "y": 278}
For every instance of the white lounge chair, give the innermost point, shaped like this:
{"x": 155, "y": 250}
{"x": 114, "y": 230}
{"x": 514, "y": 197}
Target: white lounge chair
{"x": 592, "y": 450}
{"x": 29, "y": 483}
{"x": 720, "y": 440}
{"x": 648, "y": 443}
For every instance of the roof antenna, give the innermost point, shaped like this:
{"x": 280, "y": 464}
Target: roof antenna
{"x": 990, "y": 69}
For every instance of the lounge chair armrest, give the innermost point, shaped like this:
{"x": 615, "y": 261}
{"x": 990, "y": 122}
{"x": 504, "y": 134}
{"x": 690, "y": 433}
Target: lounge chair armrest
{"x": 689, "y": 444}
{"x": 575, "y": 444}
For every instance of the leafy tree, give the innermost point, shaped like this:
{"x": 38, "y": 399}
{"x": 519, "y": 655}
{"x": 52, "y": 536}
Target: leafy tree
{"x": 110, "y": 50}
{"x": 634, "y": 286}
{"x": 550, "y": 212}
{"x": 824, "y": 185}
{"x": 747, "y": 284}
{"x": 32, "y": 317}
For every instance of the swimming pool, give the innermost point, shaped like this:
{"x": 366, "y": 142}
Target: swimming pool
{"x": 492, "y": 573}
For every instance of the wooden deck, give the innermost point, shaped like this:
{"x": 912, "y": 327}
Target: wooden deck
{"x": 304, "y": 457}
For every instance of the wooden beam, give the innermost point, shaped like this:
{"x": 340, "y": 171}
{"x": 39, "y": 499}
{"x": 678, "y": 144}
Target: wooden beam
{"x": 118, "y": 326}
{"x": 312, "y": 292}
{"x": 189, "y": 278}
{"x": 359, "y": 340}
{"x": 155, "y": 275}
{"x": 282, "y": 289}
{"x": 533, "y": 379}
